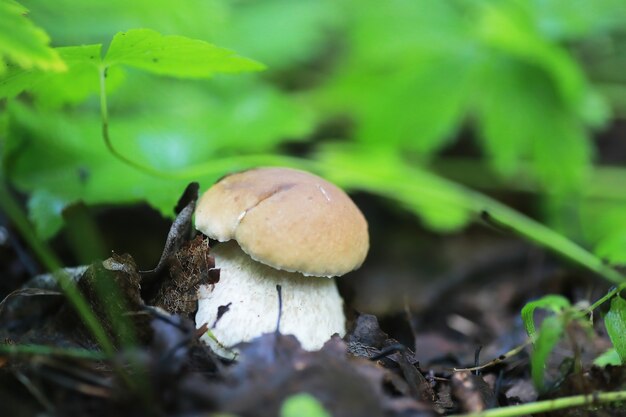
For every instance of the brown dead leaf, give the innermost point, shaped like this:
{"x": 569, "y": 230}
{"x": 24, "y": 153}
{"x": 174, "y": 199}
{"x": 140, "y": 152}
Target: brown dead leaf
{"x": 274, "y": 366}
{"x": 181, "y": 227}
{"x": 472, "y": 392}
{"x": 113, "y": 291}
{"x": 9, "y": 302}
{"x": 191, "y": 267}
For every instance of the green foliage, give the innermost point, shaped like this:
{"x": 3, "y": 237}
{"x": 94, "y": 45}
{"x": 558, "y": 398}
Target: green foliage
{"x": 572, "y": 19}
{"x": 533, "y": 124}
{"x": 302, "y": 405}
{"x": 605, "y": 226}
{"x": 442, "y": 204}
{"x": 442, "y": 63}
{"x": 175, "y": 56}
{"x": 403, "y": 69}
{"x": 610, "y": 357}
{"x": 553, "y": 303}
{"x": 60, "y": 156}
{"x": 51, "y": 89}
{"x": 615, "y": 322}
{"x": 613, "y": 246}
{"x": 23, "y": 43}
{"x": 286, "y": 42}
{"x": 409, "y": 75}
{"x": 562, "y": 314}
{"x": 550, "y": 331}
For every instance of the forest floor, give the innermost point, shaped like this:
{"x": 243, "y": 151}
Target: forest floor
{"x": 422, "y": 309}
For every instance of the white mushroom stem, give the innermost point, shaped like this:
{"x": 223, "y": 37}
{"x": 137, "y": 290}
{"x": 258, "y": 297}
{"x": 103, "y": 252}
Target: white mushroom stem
{"x": 312, "y": 308}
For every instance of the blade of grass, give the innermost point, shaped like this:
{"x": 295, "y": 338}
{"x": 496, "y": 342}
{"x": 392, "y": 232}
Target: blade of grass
{"x": 47, "y": 258}
{"x": 538, "y": 233}
{"x": 550, "y": 405}
{"x": 16, "y": 350}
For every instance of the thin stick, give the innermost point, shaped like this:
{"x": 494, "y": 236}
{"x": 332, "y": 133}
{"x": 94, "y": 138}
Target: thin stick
{"x": 279, "y": 290}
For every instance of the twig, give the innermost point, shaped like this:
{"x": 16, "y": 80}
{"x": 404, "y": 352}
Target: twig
{"x": 498, "y": 360}
{"x": 279, "y": 290}
{"x": 35, "y": 392}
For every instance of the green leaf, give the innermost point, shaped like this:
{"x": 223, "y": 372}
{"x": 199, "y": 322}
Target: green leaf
{"x": 175, "y": 56}
{"x": 44, "y": 209}
{"x": 54, "y": 89}
{"x": 610, "y": 357}
{"x": 604, "y": 220}
{"x": 70, "y": 22}
{"x": 503, "y": 127}
{"x": 286, "y": 43}
{"x": 408, "y": 87}
{"x": 571, "y": 20}
{"x": 554, "y": 303}
{"x": 23, "y": 43}
{"x": 559, "y": 134}
{"x": 612, "y": 247}
{"x": 174, "y": 125}
{"x": 531, "y": 124}
{"x": 508, "y": 27}
{"x": 440, "y": 204}
{"x": 64, "y": 159}
{"x": 416, "y": 107}
{"x": 615, "y": 322}
{"x": 16, "y": 80}
{"x": 388, "y": 174}
{"x": 78, "y": 82}
{"x": 303, "y": 405}
{"x": 549, "y": 334}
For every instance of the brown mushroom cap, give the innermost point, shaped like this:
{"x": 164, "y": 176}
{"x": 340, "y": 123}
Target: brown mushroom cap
{"x": 287, "y": 219}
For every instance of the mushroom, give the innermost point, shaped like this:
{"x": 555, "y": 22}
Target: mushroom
{"x": 279, "y": 226}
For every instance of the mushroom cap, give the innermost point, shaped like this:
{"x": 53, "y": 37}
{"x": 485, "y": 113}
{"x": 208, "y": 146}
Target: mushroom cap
{"x": 287, "y": 219}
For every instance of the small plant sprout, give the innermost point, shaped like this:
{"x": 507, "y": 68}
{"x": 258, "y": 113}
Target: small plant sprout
{"x": 284, "y": 227}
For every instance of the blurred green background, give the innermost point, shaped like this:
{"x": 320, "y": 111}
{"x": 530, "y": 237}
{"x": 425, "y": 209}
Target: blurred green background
{"x": 417, "y": 101}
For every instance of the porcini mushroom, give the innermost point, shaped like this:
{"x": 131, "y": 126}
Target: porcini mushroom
{"x": 279, "y": 226}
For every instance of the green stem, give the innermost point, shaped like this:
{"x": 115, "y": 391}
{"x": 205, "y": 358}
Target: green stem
{"x": 550, "y": 405}
{"x": 43, "y": 350}
{"x": 537, "y": 232}
{"x": 214, "y": 167}
{"x": 104, "y": 112}
{"x": 604, "y": 299}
